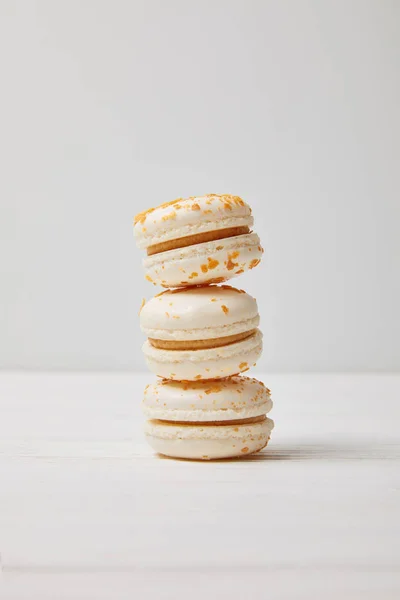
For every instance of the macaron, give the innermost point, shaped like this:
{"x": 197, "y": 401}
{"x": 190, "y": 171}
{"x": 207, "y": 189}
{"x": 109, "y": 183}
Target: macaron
{"x": 197, "y": 240}
{"x": 235, "y": 398}
{"x": 201, "y": 333}
{"x": 208, "y": 420}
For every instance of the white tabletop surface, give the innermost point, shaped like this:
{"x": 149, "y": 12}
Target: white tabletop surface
{"x": 87, "y": 511}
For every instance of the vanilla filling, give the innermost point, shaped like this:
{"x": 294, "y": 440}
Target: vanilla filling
{"x": 201, "y": 344}
{"x": 247, "y": 421}
{"x": 199, "y": 238}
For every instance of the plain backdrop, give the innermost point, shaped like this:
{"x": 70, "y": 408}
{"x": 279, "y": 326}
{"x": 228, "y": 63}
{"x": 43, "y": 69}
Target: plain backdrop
{"x": 108, "y": 107}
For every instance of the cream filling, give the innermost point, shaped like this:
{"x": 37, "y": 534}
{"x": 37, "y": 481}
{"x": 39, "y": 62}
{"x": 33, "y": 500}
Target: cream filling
{"x": 162, "y": 234}
{"x": 248, "y": 345}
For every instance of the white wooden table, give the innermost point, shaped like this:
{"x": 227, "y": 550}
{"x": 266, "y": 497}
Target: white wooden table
{"x": 86, "y": 510}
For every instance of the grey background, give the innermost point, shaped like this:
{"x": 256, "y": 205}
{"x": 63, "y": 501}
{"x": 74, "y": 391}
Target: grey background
{"x": 110, "y": 107}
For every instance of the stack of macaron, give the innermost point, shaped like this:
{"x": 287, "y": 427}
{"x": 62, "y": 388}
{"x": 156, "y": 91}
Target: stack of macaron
{"x": 201, "y": 335}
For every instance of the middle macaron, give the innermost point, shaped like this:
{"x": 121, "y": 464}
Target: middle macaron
{"x": 201, "y": 333}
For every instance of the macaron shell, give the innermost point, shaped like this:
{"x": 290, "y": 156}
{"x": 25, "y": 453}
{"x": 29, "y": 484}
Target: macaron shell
{"x": 190, "y": 216}
{"x": 208, "y": 333}
{"x": 237, "y": 397}
{"x": 209, "y": 442}
{"x": 199, "y": 313}
{"x": 212, "y": 363}
{"x": 209, "y": 262}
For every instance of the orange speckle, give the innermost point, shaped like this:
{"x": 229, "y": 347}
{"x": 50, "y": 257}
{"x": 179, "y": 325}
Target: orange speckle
{"x": 167, "y": 314}
{"x": 195, "y": 206}
{"x": 171, "y": 215}
{"x": 198, "y": 377}
{"x": 175, "y": 317}
{"x": 204, "y": 268}
{"x": 254, "y": 263}
{"x": 225, "y": 309}
{"x": 207, "y": 212}
{"x": 226, "y": 199}
{"x": 213, "y": 299}
{"x": 219, "y": 248}
{"x": 193, "y": 275}
{"x": 141, "y": 306}
{"x": 239, "y": 272}
{"x": 144, "y": 229}
{"x": 236, "y": 429}
{"x": 230, "y": 265}
{"x": 141, "y": 217}
{"x": 248, "y": 369}
{"x": 244, "y": 450}
{"x": 212, "y": 264}
{"x": 243, "y": 365}
{"x": 149, "y": 279}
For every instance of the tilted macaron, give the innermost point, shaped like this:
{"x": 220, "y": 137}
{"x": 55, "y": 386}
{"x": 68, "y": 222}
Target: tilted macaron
{"x": 201, "y": 333}
{"x": 197, "y": 240}
{"x": 208, "y": 420}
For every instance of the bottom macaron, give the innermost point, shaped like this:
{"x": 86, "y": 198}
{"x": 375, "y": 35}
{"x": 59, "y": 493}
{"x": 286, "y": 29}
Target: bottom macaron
{"x": 209, "y": 441}
{"x": 207, "y": 420}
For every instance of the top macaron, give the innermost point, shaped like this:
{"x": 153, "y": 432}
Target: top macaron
{"x": 197, "y": 240}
